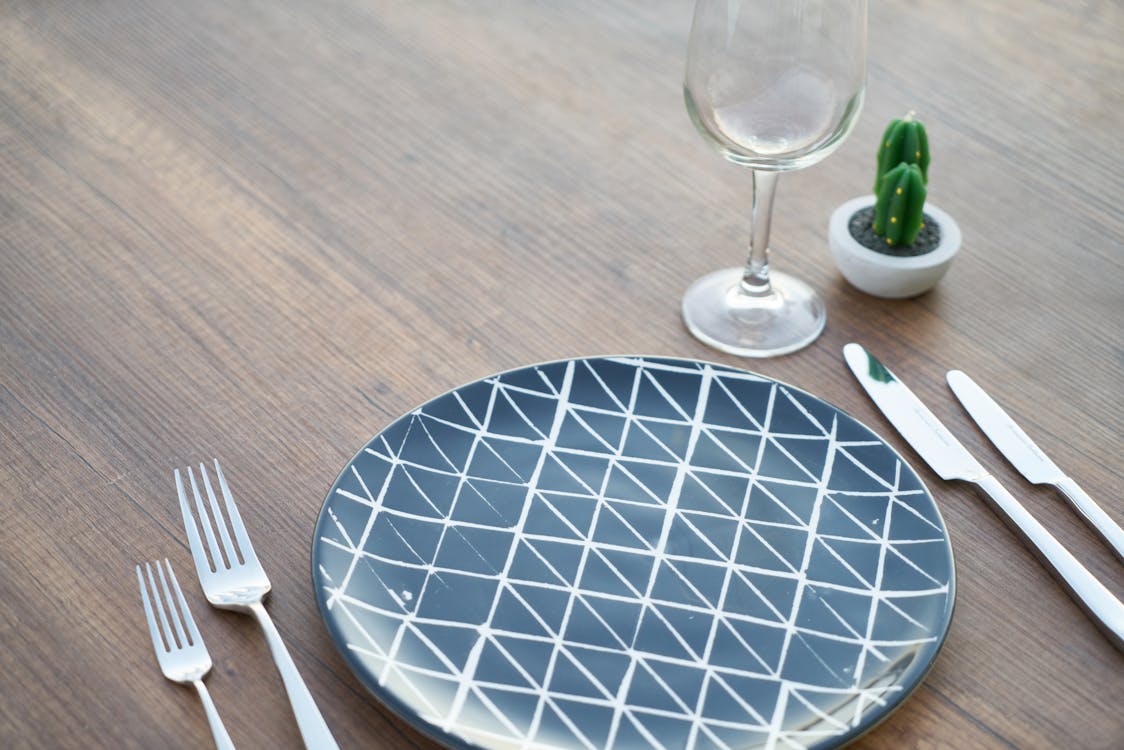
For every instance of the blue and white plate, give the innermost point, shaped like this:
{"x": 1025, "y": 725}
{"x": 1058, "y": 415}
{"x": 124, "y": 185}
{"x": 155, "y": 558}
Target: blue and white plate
{"x": 625, "y": 553}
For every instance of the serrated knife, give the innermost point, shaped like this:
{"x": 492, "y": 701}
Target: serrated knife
{"x": 1028, "y": 458}
{"x": 951, "y": 460}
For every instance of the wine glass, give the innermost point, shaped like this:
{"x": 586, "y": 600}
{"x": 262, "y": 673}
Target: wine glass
{"x": 775, "y": 85}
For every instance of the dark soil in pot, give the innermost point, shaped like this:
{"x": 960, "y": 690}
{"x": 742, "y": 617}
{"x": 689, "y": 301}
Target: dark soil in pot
{"x": 861, "y": 229}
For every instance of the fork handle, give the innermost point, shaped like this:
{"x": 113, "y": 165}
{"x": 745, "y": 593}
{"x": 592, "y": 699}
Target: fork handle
{"x": 222, "y": 739}
{"x": 314, "y": 731}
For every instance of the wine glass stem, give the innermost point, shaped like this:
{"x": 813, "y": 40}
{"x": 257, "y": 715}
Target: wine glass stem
{"x": 755, "y": 280}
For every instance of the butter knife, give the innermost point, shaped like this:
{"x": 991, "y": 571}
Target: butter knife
{"x": 1028, "y": 458}
{"x": 951, "y": 460}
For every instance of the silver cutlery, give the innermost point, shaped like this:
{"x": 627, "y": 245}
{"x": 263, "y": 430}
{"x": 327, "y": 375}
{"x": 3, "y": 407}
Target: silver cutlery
{"x": 951, "y": 460}
{"x": 179, "y": 648}
{"x": 1025, "y": 455}
{"x": 235, "y": 580}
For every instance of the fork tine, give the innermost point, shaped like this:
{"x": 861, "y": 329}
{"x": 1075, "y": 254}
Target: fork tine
{"x": 189, "y": 621}
{"x": 157, "y": 640}
{"x": 244, "y": 545}
{"x": 227, "y": 545}
{"x": 173, "y": 610}
{"x": 202, "y": 564}
{"x": 169, "y": 640}
{"x": 205, "y": 522}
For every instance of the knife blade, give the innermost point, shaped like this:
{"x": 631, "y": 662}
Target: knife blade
{"x": 951, "y": 460}
{"x": 1025, "y": 455}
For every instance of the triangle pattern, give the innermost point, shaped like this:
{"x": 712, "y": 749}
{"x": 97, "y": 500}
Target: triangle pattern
{"x": 557, "y": 476}
{"x": 656, "y": 479}
{"x": 585, "y": 627}
{"x": 775, "y": 464}
{"x": 834, "y": 661}
{"x": 838, "y": 517}
{"x": 539, "y": 410}
{"x": 474, "y": 400}
{"x": 618, "y": 378}
{"x": 681, "y": 387}
{"x": 710, "y": 453}
{"x": 608, "y": 668}
{"x": 517, "y": 707}
{"x": 692, "y": 626}
{"x": 861, "y": 556}
{"x": 778, "y": 548}
{"x": 570, "y": 679}
{"x": 419, "y": 448}
{"x": 683, "y": 681}
{"x": 876, "y": 460}
{"x": 448, "y": 409}
{"x": 553, "y": 731}
{"x": 644, "y": 522}
{"x": 743, "y": 446}
{"x": 906, "y": 525}
{"x": 596, "y": 721}
{"x": 695, "y": 494}
{"x": 824, "y": 567}
{"x": 548, "y": 603}
{"x": 753, "y": 396}
{"x": 641, "y": 444}
{"x": 622, "y": 617}
{"x": 761, "y": 695}
{"x": 641, "y": 579}
{"x": 672, "y": 730}
{"x": 811, "y": 453}
{"x": 455, "y": 643}
{"x": 656, "y": 637}
{"x": 576, "y": 511}
{"x": 432, "y": 693}
{"x": 673, "y": 437}
{"x": 532, "y": 656}
{"x": 646, "y": 691}
{"x": 561, "y": 557}
{"x": 497, "y": 668}
{"x": 705, "y": 579}
{"x": 792, "y": 416}
{"x": 650, "y": 402}
{"x": 515, "y": 616}
{"x": 587, "y": 391}
{"x": 574, "y": 435}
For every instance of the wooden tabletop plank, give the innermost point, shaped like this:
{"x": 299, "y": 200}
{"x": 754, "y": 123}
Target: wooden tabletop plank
{"x": 260, "y": 231}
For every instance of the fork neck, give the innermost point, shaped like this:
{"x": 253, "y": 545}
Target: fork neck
{"x": 218, "y": 730}
{"x": 258, "y": 610}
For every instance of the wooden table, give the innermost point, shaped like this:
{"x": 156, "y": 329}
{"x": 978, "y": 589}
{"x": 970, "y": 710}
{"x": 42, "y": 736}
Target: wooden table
{"x": 261, "y": 230}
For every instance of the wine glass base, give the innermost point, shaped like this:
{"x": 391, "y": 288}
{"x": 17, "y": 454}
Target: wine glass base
{"x": 719, "y": 313}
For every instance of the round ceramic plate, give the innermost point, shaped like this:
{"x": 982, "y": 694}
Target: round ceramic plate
{"x": 625, "y": 552}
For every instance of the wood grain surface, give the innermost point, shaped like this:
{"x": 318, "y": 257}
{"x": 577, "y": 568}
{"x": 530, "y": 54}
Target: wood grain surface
{"x": 261, "y": 230}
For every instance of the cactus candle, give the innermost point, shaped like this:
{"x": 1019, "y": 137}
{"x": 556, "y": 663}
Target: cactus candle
{"x": 898, "y": 209}
{"x": 892, "y": 244}
{"x": 904, "y": 141}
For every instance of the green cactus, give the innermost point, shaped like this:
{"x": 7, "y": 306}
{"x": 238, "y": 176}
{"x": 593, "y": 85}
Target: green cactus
{"x": 903, "y": 141}
{"x": 898, "y": 210}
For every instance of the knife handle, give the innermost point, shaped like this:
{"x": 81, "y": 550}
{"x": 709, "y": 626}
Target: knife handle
{"x": 1093, "y": 514}
{"x": 1097, "y": 601}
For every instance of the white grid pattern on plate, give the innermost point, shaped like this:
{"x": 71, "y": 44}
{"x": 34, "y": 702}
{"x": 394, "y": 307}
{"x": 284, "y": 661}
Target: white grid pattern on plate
{"x": 684, "y": 685}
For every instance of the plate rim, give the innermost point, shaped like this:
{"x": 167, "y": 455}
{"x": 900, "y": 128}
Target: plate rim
{"x": 410, "y": 716}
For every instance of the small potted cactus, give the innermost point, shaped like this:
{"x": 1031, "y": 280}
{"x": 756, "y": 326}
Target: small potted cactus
{"x": 893, "y": 244}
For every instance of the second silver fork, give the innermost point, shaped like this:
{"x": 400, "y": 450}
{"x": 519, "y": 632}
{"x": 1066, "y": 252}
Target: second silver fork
{"x": 235, "y": 580}
{"x": 179, "y": 647}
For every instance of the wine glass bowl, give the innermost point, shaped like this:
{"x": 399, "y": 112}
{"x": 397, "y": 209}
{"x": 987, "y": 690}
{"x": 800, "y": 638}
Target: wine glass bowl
{"x": 774, "y": 86}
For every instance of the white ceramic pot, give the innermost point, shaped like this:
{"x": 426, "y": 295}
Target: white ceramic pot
{"x": 887, "y": 275}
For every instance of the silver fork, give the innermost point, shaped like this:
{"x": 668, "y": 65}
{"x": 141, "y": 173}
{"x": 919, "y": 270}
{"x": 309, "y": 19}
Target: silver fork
{"x": 182, "y": 656}
{"x": 237, "y": 581}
